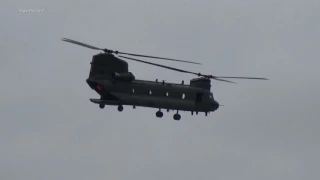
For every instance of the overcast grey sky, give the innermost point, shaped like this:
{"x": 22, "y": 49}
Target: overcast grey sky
{"x": 267, "y": 129}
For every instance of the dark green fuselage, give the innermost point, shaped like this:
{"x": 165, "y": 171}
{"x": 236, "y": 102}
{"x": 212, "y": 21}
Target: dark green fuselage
{"x": 195, "y": 97}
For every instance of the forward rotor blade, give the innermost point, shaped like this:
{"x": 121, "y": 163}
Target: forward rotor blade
{"x": 155, "y": 57}
{"x": 159, "y": 65}
{"x": 80, "y": 43}
{"x": 179, "y": 70}
{"x": 218, "y": 78}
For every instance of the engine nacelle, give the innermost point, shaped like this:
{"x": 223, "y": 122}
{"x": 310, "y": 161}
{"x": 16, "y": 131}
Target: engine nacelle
{"x": 123, "y": 76}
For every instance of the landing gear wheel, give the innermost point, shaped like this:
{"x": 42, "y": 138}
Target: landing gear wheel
{"x": 120, "y": 108}
{"x": 159, "y": 114}
{"x": 101, "y": 106}
{"x": 177, "y": 117}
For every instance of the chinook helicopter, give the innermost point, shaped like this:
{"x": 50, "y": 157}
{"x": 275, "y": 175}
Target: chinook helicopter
{"x": 110, "y": 77}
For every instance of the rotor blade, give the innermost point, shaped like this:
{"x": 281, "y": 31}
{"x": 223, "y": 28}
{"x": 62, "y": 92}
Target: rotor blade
{"x": 80, "y": 43}
{"x": 176, "y": 69}
{"x": 159, "y": 65}
{"x": 179, "y": 70}
{"x": 117, "y": 52}
{"x": 226, "y": 77}
{"x": 223, "y": 80}
{"x": 155, "y": 57}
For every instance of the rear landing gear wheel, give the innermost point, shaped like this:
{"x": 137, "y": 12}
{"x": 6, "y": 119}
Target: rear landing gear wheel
{"x": 159, "y": 114}
{"x": 101, "y": 106}
{"x": 177, "y": 117}
{"x": 120, "y": 108}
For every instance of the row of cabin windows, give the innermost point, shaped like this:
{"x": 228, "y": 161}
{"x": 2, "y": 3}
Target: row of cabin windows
{"x": 167, "y": 94}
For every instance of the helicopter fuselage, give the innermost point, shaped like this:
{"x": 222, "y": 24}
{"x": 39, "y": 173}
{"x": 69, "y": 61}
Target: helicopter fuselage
{"x": 153, "y": 94}
{"x": 110, "y": 77}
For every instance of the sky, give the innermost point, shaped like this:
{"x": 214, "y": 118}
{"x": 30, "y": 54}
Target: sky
{"x": 266, "y": 129}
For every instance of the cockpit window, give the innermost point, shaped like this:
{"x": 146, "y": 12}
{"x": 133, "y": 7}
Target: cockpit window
{"x": 211, "y": 95}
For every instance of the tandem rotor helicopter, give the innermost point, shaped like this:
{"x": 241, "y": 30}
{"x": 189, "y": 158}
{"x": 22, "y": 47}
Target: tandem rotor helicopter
{"x": 110, "y": 77}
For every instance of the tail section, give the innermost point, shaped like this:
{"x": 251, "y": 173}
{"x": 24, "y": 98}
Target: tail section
{"x": 104, "y": 65}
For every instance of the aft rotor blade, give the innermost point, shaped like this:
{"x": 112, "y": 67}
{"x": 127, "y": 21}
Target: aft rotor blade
{"x": 228, "y": 77}
{"x": 117, "y": 52}
{"x": 155, "y": 57}
{"x": 223, "y": 80}
{"x": 159, "y": 65}
{"x": 81, "y": 44}
{"x": 179, "y": 70}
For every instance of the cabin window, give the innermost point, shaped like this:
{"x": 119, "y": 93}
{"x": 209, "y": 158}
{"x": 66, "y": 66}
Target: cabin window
{"x": 132, "y": 90}
{"x": 150, "y": 92}
{"x": 183, "y": 96}
{"x": 167, "y": 94}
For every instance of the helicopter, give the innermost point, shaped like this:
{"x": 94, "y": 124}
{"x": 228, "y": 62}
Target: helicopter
{"x": 111, "y": 79}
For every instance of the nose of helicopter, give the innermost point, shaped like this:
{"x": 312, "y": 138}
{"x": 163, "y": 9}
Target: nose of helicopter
{"x": 215, "y": 105}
